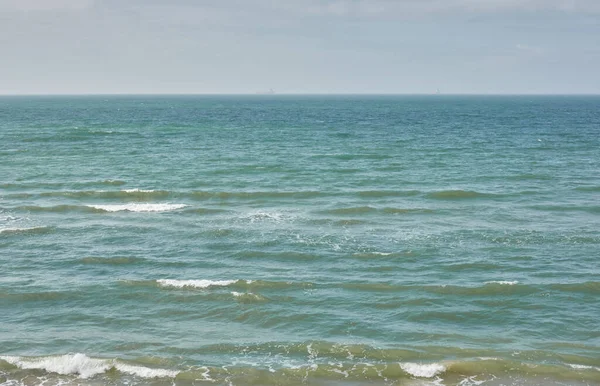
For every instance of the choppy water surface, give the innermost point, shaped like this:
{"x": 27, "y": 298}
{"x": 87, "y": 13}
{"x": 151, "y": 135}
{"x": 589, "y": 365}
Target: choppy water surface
{"x": 300, "y": 240}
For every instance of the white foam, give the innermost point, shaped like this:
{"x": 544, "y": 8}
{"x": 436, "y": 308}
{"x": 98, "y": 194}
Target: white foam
{"x": 145, "y": 372}
{"x": 19, "y": 230}
{"x": 79, "y": 364}
{"x": 423, "y": 370}
{"x": 84, "y": 366}
{"x": 247, "y": 295}
{"x": 267, "y": 216}
{"x": 195, "y": 283}
{"x": 502, "y": 282}
{"x": 583, "y": 367}
{"x": 136, "y": 190}
{"x": 137, "y": 207}
{"x": 471, "y": 381}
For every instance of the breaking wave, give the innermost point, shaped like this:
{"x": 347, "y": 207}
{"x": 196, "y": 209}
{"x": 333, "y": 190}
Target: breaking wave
{"x": 85, "y": 367}
{"x": 138, "y": 207}
{"x": 30, "y": 230}
{"x": 195, "y": 283}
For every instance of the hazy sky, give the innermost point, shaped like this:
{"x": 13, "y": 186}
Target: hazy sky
{"x": 299, "y": 46}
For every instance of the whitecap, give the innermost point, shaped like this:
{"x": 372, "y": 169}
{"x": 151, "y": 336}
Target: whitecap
{"x": 136, "y": 190}
{"x": 423, "y": 370}
{"x": 24, "y": 230}
{"x": 247, "y": 295}
{"x": 84, "y": 366}
{"x": 583, "y": 367}
{"x": 136, "y": 207}
{"x": 79, "y": 364}
{"x": 471, "y": 381}
{"x": 145, "y": 372}
{"x": 502, "y": 282}
{"x": 194, "y": 283}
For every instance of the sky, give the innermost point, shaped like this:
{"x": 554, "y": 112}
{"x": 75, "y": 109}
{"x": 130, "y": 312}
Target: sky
{"x": 299, "y": 46}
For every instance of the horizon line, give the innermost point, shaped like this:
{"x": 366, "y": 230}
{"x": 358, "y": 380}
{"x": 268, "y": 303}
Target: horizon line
{"x": 257, "y": 94}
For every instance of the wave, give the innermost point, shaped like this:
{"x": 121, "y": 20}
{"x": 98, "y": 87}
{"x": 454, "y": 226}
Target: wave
{"x": 588, "y": 188}
{"x": 585, "y": 287}
{"x": 248, "y": 285}
{"x": 60, "y": 208}
{"x": 260, "y": 216}
{"x": 529, "y": 176}
{"x": 91, "y": 208}
{"x": 567, "y": 208}
{"x": 110, "y": 182}
{"x": 408, "y": 210}
{"x": 582, "y": 367}
{"x": 237, "y": 284}
{"x": 350, "y": 210}
{"x": 37, "y": 296}
{"x": 138, "y": 207}
{"x": 487, "y": 289}
{"x": 358, "y": 210}
{"x": 138, "y": 194}
{"x": 476, "y": 266}
{"x": 387, "y": 193}
{"x": 284, "y": 255}
{"x": 111, "y": 260}
{"x": 380, "y": 255}
{"x": 207, "y": 195}
{"x": 459, "y": 195}
{"x": 55, "y": 185}
{"x": 30, "y": 230}
{"x": 248, "y": 297}
{"x": 310, "y": 362}
{"x": 85, "y": 367}
{"x": 204, "y": 211}
{"x": 195, "y": 283}
{"x": 423, "y": 370}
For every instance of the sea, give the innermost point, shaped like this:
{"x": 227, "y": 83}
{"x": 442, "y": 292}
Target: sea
{"x": 300, "y": 240}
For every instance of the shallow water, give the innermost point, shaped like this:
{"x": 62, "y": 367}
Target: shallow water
{"x": 299, "y": 240}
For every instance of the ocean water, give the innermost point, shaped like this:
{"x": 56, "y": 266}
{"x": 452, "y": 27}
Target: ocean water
{"x": 289, "y": 240}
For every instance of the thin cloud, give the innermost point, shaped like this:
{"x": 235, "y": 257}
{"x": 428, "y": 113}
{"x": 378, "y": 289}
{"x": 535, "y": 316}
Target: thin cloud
{"x": 44, "y": 5}
{"x": 403, "y": 8}
{"x": 342, "y": 8}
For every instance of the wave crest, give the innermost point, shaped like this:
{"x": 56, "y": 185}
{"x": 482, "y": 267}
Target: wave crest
{"x": 194, "y": 283}
{"x": 85, "y": 367}
{"x": 423, "y": 370}
{"x": 137, "y": 207}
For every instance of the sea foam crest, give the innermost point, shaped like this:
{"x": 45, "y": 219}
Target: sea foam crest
{"x": 84, "y": 366}
{"x": 136, "y": 190}
{"x": 79, "y": 364}
{"x": 583, "y": 367}
{"x": 423, "y": 370}
{"x": 138, "y": 207}
{"x": 502, "y": 282}
{"x": 25, "y": 230}
{"x": 195, "y": 283}
{"x": 145, "y": 372}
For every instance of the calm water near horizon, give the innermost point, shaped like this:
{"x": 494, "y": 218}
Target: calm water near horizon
{"x": 289, "y": 240}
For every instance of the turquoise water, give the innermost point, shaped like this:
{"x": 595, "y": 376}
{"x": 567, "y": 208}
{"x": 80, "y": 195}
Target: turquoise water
{"x": 435, "y": 240}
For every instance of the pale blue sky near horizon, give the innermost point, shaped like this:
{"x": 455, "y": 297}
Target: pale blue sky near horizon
{"x": 310, "y": 46}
